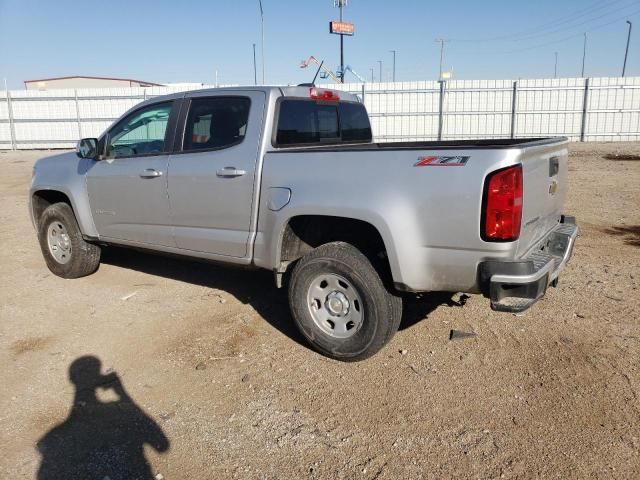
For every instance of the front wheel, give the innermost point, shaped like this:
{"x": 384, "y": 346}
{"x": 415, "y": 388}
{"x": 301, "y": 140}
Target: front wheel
{"x": 340, "y": 304}
{"x": 67, "y": 254}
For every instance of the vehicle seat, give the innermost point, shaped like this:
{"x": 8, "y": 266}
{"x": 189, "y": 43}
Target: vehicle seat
{"x": 223, "y": 130}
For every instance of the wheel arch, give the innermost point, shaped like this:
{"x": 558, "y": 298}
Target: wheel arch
{"x": 302, "y": 233}
{"x": 42, "y": 197}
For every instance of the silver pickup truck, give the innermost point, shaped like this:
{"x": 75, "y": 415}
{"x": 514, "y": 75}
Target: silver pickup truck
{"x": 288, "y": 179}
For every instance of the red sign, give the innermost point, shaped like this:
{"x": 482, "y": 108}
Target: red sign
{"x": 341, "y": 28}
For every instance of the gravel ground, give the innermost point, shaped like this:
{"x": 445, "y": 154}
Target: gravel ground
{"x": 203, "y": 376}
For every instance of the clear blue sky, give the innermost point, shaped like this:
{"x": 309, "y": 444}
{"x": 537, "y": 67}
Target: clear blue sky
{"x": 187, "y": 41}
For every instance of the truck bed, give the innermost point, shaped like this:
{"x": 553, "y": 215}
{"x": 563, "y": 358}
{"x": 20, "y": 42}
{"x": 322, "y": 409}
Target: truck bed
{"x": 429, "y": 218}
{"x": 481, "y": 144}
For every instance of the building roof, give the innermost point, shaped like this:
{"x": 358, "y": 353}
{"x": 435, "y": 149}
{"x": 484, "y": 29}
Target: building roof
{"x": 94, "y": 78}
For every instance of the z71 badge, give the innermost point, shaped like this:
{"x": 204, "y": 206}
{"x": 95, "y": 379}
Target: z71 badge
{"x": 442, "y": 161}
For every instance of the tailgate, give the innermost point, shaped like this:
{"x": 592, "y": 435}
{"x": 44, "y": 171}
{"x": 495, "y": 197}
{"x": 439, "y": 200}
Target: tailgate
{"x": 545, "y": 175}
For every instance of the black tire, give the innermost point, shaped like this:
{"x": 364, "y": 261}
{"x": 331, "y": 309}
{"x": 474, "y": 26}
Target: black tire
{"x": 82, "y": 258}
{"x": 381, "y": 309}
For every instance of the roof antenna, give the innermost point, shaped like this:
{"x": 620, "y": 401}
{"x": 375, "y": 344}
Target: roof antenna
{"x": 313, "y": 82}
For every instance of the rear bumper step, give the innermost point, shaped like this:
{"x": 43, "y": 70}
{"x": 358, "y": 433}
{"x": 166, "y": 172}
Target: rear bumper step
{"x": 513, "y": 286}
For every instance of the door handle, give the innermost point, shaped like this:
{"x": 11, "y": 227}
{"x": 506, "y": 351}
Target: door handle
{"x": 230, "y": 172}
{"x": 150, "y": 173}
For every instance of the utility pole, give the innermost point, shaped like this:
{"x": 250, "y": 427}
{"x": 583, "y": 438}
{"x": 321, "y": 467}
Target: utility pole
{"x": 255, "y": 70}
{"x": 380, "y": 65}
{"x": 584, "y": 53}
{"x": 626, "y": 52}
{"x": 394, "y": 64}
{"x": 262, "y": 38}
{"x": 555, "y": 67}
{"x": 341, "y": 4}
{"x": 372, "y": 75}
{"x": 442, "y": 42}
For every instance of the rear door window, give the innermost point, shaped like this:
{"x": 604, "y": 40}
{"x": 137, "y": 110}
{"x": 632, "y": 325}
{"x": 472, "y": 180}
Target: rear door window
{"x": 215, "y": 123}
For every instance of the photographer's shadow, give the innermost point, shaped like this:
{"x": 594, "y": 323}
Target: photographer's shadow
{"x": 99, "y": 439}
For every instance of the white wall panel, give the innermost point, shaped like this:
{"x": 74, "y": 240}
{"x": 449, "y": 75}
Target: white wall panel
{"x": 400, "y": 111}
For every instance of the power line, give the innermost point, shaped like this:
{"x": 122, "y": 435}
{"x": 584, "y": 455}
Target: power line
{"x": 585, "y": 22}
{"x": 575, "y": 35}
{"x": 538, "y": 30}
{"x": 587, "y": 12}
{"x": 569, "y": 37}
{"x": 552, "y": 24}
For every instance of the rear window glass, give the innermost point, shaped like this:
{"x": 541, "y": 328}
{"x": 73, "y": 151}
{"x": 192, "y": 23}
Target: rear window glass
{"x": 354, "y": 122}
{"x": 308, "y": 122}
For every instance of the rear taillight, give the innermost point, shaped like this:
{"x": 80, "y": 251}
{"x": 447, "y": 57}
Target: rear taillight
{"x": 502, "y": 207}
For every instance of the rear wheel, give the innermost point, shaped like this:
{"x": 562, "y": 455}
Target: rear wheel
{"x": 66, "y": 253}
{"x": 340, "y": 303}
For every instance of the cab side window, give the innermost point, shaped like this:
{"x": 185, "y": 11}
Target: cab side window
{"x": 215, "y": 123}
{"x": 141, "y": 133}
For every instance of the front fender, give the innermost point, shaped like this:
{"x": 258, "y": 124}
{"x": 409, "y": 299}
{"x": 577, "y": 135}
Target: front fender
{"x": 65, "y": 174}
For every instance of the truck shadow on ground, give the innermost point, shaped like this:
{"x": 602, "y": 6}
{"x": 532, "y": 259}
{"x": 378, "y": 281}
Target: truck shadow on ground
{"x": 255, "y": 287}
{"x": 629, "y": 233}
{"x": 99, "y": 439}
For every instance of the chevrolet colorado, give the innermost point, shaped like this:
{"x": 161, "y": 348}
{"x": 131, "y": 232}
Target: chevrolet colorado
{"x": 289, "y": 179}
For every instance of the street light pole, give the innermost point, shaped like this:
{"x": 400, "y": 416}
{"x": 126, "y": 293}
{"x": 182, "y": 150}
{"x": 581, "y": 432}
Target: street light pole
{"x": 262, "y": 38}
{"x": 442, "y": 42}
{"x": 341, "y": 46}
{"x": 394, "y": 64}
{"x": 555, "y": 67}
{"x": 380, "y": 65}
{"x": 584, "y": 53}
{"x": 371, "y": 75}
{"x": 626, "y": 52}
{"x": 255, "y": 70}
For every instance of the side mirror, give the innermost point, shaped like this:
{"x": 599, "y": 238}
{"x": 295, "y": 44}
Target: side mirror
{"x": 87, "y": 148}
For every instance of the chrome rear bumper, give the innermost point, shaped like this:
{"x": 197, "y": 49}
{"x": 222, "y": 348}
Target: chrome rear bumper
{"x": 513, "y": 286}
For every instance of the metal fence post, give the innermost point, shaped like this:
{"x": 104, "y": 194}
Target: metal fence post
{"x": 12, "y": 126}
{"x": 585, "y": 112}
{"x": 78, "y": 116}
{"x": 514, "y": 103}
{"x": 441, "y": 110}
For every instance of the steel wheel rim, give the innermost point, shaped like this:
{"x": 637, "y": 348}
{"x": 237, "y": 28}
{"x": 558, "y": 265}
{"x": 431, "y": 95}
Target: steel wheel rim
{"x": 335, "y": 305}
{"x": 59, "y": 242}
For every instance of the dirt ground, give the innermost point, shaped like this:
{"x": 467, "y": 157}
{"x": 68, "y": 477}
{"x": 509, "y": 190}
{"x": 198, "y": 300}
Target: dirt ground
{"x": 203, "y": 376}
